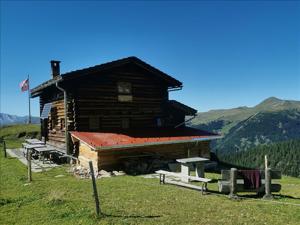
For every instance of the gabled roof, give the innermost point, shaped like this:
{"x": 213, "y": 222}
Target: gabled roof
{"x": 141, "y": 138}
{"x": 171, "y": 82}
{"x": 189, "y": 111}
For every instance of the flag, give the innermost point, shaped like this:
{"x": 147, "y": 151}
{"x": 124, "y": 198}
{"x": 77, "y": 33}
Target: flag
{"x": 24, "y": 85}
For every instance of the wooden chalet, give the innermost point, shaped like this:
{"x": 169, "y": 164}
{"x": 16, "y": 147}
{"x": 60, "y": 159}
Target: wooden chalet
{"x": 115, "y": 110}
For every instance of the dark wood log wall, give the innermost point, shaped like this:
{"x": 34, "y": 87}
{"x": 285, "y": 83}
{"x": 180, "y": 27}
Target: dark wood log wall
{"x": 93, "y": 100}
{"x": 98, "y": 97}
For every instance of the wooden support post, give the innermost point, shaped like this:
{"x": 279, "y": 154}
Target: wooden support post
{"x": 29, "y": 165}
{"x": 95, "y": 189}
{"x": 268, "y": 194}
{"x": 233, "y": 178}
{"x": 4, "y": 149}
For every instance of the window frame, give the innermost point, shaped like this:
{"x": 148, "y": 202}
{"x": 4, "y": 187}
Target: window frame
{"x": 124, "y": 93}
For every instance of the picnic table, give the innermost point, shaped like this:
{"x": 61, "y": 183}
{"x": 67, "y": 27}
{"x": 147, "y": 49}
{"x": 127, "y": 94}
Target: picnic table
{"x": 41, "y": 151}
{"x": 31, "y": 147}
{"x": 34, "y": 141}
{"x": 187, "y": 163}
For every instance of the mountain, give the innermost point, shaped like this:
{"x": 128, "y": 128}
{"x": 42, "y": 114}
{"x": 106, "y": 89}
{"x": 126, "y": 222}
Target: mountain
{"x": 7, "y": 119}
{"x": 273, "y": 120}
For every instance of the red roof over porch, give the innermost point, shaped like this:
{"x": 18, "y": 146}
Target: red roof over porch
{"x": 140, "y": 138}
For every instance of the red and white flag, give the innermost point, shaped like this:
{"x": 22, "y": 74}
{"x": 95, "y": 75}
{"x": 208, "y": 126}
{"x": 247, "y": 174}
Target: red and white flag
{"x": 24, "y": 85}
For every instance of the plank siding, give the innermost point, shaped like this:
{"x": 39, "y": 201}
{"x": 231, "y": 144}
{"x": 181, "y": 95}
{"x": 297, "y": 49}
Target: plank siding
{"x": 86, "y": 155}
{"x": 111, "y": 159}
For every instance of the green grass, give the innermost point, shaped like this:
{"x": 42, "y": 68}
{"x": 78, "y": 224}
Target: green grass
{"x": 131, "y": 200}
{"x": 14, "y": 135}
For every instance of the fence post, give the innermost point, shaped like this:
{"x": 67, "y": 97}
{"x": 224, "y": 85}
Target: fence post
{"x": 95, "y": 189}
{"x": 268, "y": 194}
{"x": 233, "y": 178}
{"x": 29, "y": 165}
{"x": 4, "y": 149}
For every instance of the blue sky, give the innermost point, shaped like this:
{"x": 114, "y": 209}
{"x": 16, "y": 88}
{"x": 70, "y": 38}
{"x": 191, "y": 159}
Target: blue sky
{"x": 227, "y": 54}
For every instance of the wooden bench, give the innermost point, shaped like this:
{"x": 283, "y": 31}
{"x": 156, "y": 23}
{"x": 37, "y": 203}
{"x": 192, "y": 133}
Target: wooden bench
{"x": 225, "y": 184}
{"x": 163, "y": 180}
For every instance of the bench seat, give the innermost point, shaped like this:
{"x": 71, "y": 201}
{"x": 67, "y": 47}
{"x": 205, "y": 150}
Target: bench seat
{"x": 224, "y": 183}
{"x": 163, "y": 180}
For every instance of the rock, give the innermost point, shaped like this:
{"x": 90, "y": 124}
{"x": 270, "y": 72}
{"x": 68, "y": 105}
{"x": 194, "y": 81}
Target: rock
{"x": 104, "y": 173}
{"x": 118, "y": 173}
{"x": 79, "y": 167}
{"x": 60, "y": 175}
{"x": 21, "y": 134}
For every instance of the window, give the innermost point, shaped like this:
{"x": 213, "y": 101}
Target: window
{"x": 124, "y": 92}
{"x": 62, "y": 124}
{"x": 53, "y": 119}
{"x": 124, "y": 88}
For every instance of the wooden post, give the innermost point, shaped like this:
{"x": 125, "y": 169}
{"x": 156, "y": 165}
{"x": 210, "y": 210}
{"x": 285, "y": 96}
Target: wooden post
{"x": 29, "y": 165}
{"x": 266, "y": 161}
{"x": 95, "y": 189}
{"x": 4, "y": 149}
{"x": 268, "y": 194}
{"x": 233, "y": 178}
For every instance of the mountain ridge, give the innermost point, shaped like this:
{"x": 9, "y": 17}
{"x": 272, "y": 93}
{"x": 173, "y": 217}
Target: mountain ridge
{"x": 238, "y": 114}
{"x": 272, "y": 120}
{"x": 8, "y": 119}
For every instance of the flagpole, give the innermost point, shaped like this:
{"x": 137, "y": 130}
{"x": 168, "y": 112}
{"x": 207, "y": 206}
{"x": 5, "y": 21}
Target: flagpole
{"x": 29, "y": 116}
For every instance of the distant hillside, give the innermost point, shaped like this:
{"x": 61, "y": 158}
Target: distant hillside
{"x": 272, "y": 120}
{"x": 7, "y": 119}
{"x": 284, "y": 156}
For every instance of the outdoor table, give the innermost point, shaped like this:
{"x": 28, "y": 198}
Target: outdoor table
{"x": 43, "y": 150}
{"x": 34, "y": 141}
{"x": 31, "y": 147}
{"x": 186, "y": 164}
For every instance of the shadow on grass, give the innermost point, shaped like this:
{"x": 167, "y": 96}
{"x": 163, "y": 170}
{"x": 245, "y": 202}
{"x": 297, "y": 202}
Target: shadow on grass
{"x": 258, "y": 196}
{"x": 214, "y": 181}
{"x": 129, "y": 216}
{"x": 285, "y": 196}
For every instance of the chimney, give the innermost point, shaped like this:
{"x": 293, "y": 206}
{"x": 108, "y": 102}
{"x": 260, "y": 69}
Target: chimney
{"x": 55, "y": 68}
